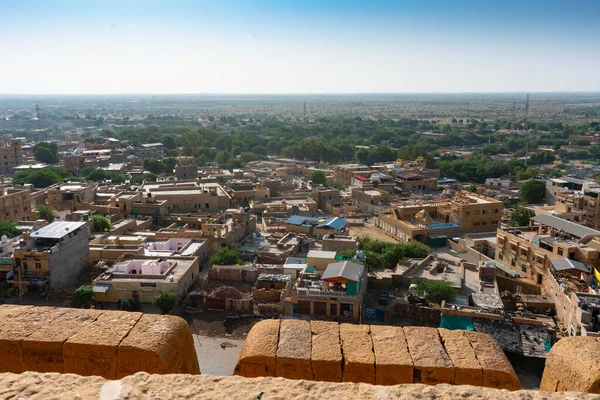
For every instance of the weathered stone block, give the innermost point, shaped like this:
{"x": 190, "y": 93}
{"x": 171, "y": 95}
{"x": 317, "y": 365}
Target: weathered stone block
{"x": 257, "y": 357}
{"x": 326, "y": 355}
{"x": 431, "y": 362}
{"x": 467, "y": 369}
{"x": 357, "y": 350}
{"x": 93, "y": 349}
{"x": 497, "y": 370}
{"x": 393, "y": 363}
{"x": 159, "y": 344}
{"x": 18, "y": 328}
{"x": 294, "y": 350}
{"x": 43, "y": 349}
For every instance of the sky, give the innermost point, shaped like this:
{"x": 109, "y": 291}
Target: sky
{"x": 296, "y": 46}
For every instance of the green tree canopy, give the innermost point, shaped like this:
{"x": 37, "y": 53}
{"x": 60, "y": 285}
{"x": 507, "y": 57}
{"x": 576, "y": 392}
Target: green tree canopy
{"x": 155, "y": 166}
{"x": 8, "y": 228}
{"x": 165, "y": 301}
{"x": 84, "y": 295}
{"x": 46, "y": 212}
{"x": 41, "y": 178}
{"x": 101, "y": 224}
{"x": 149, "y": 177}
{"x": 318, "y": 177}
{"x": 226, "y": 256}
{"x": 521, "y": 216}
{"x": 435, "y": 291}
{"x": 381, "y": 255}
{"x": 170, "y": 163}
{"x": 532, "y": 192}
{"x": 46, "y": 152}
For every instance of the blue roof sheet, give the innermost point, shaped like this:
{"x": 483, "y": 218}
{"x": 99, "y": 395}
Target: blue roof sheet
{"x": 334, "y": 223}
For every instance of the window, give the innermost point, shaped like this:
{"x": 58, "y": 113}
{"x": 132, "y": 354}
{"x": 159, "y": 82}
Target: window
{"x": 523, "y": 268}
{"x": 477, "y": 212}
{"x": 483, "y": 223}
{"x": 484, "y": 212}
{"x": 560, "y": 251}
{"x": 476, "y": 223}
{"x": 494, "y": 223}
{"x": 495, "y": 211}
{"x": 467, "y": 212}
{"x": 206, "y": 205}
{"x": 524, "y": 252}
{"x": 513, "y": 262}
{"x": 38, "y": 265}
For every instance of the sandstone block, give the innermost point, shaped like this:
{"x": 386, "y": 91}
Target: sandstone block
{"x": 357, "y": 350}
{"x": 572, "y": 365}
{"x": 257, "y": 357}
{"x": 93, "y": 349}
{"x": 326, "y": 354}
{"x": 43, "y": 349}
{"x": 18, "y": 328}
{"x": 431, "y": 362}
{"x": 497, "y": 370}
{"x": 467, "y": 369}
{"x": 158, "y": 344}
{"x": 393, "y": 363}
{"x": 294, "y": 350}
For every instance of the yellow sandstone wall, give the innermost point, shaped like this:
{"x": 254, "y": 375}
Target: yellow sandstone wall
{"x": 111, "y": 344}
{"x": 384, "y": 355}
{"x": 33, "y": 385}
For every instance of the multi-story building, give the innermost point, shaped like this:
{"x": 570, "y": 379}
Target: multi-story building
{"x": 326, "y": 196}
{"x": 329, "y": 289}
{"x": 371, "y": 201}
{"x": 68, "y": 195}
{"x": 463, "y": 212}
{"x": 150, "y": 150}
{"x": 11, "y": 156}
{"x": 409, "y": 181}
{"x": 72, "y": 163}
{"x": 344, "y": 173}
{"x": 183, "y": 172}
{"x": 190, "y": 196}
{"x": 567, "y": 183}
{"x": 53, "y": 256}
{"x": 531, "y": 251}
{"x": 15, "y": 204}
{"x": 142, "y": 278}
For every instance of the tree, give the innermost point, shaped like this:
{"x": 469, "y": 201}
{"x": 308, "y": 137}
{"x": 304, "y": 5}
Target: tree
{"x": 149, "y": 177}
{"x": 318, "y": 177}
{"x": 101, "y": 224}
{"x": 84, "y": 295}
{"x": 153, "y": 165}
{"x": 532, "y": 192}
{"x": 165, "y": 301}
{"x": 46, "y": 212}
{"x": 521, "y": 216}
{"x": 8, "y": 228}
{"x": 226, "y": 256}
{"x": 131, "y": 304}
{"x": 170, "y": 163}
{"x": 472, "y": 188}
{"x": 41, "y": 178}
{"x": 435, "y": 291}
{"x": 46, "y": 152}
{"x": 97, "y": 175}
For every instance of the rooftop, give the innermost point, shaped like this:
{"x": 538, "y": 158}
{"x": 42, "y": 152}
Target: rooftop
{"x": 569, "y": 227}
{"x": 57, "y": 229}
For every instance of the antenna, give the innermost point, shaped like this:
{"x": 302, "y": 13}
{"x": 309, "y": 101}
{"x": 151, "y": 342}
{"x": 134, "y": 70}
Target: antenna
{"x": 527, "y": 113}
{"x": 37, "y": 111}
{"x": 514, "y": 115}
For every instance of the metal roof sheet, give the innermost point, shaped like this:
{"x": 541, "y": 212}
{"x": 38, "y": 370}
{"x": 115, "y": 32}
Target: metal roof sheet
{"x": 565, "y": 264}
{"x": 57, "y": 229}
{"x": 567, "y": 226}
{"x": 344, "y": 269}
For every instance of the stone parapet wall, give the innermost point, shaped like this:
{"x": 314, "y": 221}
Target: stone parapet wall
{"x": 573, "y": 365}
{"x": 32, "y": 385}
{"x": 112, "y": 344}
{"x": 375, "y": 354}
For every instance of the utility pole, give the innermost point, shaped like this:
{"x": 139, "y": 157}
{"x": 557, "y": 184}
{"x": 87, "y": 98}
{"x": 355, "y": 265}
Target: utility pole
{"x": 526, "y": 151}
{"x": 20, "y": 285}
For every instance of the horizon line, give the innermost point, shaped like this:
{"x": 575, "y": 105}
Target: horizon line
{"x": 301, "y": 93}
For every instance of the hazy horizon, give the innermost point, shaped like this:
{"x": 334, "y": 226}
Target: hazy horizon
{"x": 275, "y": 47}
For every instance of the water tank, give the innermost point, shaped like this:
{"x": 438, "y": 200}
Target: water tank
{"x": 4, "y": 239}
{"x": 253, "y": 235}
{"x": 360, "y": 255}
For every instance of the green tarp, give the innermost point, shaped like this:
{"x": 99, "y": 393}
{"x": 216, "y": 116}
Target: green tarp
{"x": 453, "y": 322}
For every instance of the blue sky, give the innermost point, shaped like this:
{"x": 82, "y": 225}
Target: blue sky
{"x": 291, "y": 46}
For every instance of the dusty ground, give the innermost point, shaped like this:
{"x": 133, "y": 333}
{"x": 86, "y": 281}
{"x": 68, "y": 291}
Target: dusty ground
{"x": 370, "y": 230}
{"x": 217, "y": 356}
{"x": 212, "y": 324}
